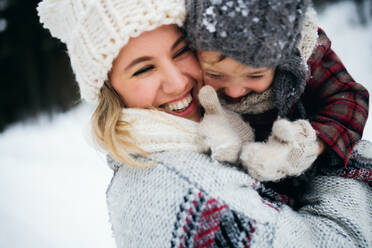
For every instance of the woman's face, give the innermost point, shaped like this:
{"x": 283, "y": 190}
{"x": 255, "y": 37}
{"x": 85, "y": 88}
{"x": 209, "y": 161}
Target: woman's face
{"x": 157, "y": 69}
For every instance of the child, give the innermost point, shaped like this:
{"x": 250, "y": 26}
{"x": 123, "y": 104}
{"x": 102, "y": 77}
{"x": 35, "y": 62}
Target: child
{"x": 254, "y": 54}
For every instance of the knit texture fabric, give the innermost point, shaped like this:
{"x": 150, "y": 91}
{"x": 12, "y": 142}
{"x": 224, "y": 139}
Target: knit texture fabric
{"x": 188, "y": 200}
{"x": 274, "y": 34}
{"x": 258, "y": 33}
{"x": 289, "y": 83}
{"x": 309, "y": 34}
{"x": 223, "y": 131}
{"x": 95, "y": 31}
{"x": 335, "y": 104}
{"x": 253, "y": 103}
{"x": 290, "y": 151}
{"x": 166, "y": 132}
{"x": 359, "y": 166}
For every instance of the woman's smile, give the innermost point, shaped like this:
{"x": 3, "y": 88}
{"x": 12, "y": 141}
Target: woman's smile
{"x": 164, "y": 75}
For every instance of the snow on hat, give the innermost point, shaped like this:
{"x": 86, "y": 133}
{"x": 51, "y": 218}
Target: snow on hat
{"x": 279, "y": 34}
{"x": 95, "y": 31}
{"x": 258, "y": 33}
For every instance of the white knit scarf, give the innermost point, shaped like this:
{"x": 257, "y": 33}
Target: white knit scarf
{"x": 156, "y": 131}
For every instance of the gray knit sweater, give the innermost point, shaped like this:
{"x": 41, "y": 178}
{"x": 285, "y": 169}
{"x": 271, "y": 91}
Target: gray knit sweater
{"x": 188, "y": 200}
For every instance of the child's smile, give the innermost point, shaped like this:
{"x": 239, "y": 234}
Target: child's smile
{"x": 234, "y": 79}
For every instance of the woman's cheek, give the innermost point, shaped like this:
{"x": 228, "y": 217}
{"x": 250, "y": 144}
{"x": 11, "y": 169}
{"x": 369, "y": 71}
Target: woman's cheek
{"x": 138, "y": 95}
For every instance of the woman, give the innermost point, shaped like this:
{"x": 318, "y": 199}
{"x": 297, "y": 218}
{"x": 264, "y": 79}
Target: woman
{"x": 132, "y": 60}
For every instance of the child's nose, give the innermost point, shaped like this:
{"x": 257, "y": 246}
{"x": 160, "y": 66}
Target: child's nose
{"x": 235, "y": 91}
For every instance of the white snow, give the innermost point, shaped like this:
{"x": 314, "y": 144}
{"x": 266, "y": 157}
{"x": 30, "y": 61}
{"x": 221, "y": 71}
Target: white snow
{"x": 208, "y": 19}
{"x": 52, "y": 182}
{"x": 52, "y": 185}
{"x": 352, "y": 42}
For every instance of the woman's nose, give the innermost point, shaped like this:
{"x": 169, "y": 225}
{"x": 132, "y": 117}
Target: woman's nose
{"x": 174, "y": 80}
{"x": 235, "y": 91}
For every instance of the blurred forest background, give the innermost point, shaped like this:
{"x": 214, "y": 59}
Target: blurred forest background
{"x": 35, "y": 71}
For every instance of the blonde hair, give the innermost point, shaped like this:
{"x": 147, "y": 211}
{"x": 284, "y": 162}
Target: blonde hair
{"x": 110, "y": 132}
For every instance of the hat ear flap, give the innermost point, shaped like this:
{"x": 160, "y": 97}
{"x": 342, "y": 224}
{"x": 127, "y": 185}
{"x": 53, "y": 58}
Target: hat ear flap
{"x": 289, "y": 82}
{"x": 60, "y": 16}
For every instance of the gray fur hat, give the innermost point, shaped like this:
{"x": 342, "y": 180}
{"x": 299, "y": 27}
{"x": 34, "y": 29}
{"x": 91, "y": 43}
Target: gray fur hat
{"x": 265, "y": 32}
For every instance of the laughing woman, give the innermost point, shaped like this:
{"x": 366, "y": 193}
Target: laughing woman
{"x": 131, "y": 59}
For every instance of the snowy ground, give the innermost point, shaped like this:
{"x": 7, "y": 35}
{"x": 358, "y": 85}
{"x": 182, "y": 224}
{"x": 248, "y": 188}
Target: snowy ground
{"x": 52, "y": 184}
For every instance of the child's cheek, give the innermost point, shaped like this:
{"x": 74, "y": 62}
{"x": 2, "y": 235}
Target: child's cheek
{"x": 212, "y": 82}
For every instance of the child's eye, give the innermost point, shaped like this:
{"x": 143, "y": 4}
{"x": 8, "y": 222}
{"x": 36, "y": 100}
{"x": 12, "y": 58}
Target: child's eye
{"x": 213, "y": 75}
{"x": 183, "y": 50}
{"x": 143, "y": 70}
{"x": 256, "y": 76}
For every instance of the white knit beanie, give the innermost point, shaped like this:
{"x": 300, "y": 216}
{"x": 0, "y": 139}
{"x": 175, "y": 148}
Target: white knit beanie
{"x": 95, "y": 31}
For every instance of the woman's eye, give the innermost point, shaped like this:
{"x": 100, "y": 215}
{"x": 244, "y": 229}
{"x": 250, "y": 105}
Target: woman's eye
{"x": 214, "y": 76}
{"x": 183, "y": 50}
{"x": 143, "y": 70}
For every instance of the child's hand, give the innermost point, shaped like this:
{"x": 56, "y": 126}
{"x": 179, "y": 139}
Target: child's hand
{"x": 223, "y": 131}
{"x": 290, "y": 150}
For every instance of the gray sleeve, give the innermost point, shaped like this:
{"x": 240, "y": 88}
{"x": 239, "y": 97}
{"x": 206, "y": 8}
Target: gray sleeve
{"x": 338, "y": 214}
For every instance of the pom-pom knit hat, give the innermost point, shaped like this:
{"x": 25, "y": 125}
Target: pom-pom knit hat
{"x": 95, "y": 31}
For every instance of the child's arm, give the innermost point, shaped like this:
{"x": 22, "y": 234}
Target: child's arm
{"x": 223, "y": 131}
{"x": 338, "y": 105}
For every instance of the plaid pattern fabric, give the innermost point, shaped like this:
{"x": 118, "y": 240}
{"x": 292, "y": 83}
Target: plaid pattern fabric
{"x": 338, "y": 105}
{"x": 351, "y": 171}
{"x": 359, "y": 166}
{"x": 335, "y": 104}
{"x": 203, "y": 221}
{"x": 275, "y": 198}
{"x": 358, "y": 174}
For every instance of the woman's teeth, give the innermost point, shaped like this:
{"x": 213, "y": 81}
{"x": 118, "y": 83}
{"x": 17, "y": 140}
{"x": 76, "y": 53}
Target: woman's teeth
{"x": 180, "y": 105}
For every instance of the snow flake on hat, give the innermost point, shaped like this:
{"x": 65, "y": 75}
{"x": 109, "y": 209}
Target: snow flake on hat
{"x": 209, "y": 20}
{"x": 211, "y": 14}
{"x": 216, "y": 2}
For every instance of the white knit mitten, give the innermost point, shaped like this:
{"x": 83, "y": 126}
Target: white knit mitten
{"x": 290, "y": 150}
{"x": 223, "y": 131}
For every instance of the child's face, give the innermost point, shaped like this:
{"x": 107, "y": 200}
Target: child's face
{"x": 234, "y": 79}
